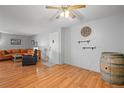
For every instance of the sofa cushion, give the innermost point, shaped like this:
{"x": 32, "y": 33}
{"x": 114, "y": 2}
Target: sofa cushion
{"x": 8, "y": 55}
{"x": 22, "y": 53}
{"x": 5, "y": 57}
{"x": 6, "y": 52}
{"x": 30, "y": 51}
{"x": 9, "y": 51}
{"x": 15, "y": 50}
{"x": 2, "y": 52}
{"x": 23, "y": 50}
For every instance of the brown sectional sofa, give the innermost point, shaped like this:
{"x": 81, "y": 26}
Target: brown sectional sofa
{"x": 7, "y": 54}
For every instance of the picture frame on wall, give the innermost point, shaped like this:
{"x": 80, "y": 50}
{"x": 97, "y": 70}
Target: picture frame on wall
{"x": 32, "y": 42}
{"x": 15, "y": 41}
{"x": 36, "y": 43}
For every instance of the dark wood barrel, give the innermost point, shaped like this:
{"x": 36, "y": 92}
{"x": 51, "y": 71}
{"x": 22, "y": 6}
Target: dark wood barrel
{"x": 112, "y": 67}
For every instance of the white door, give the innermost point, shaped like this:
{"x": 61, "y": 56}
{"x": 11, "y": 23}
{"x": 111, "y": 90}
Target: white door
{"x": 54, "y": 48}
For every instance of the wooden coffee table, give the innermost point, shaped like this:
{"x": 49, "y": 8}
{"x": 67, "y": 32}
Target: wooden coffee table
{"x": 17, "y": 57}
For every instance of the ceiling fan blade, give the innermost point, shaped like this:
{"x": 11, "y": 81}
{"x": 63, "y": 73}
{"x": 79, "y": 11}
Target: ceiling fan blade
{"x": 55, "y": 16}
{"x": 72, "y": 15}
{"x": 76, "y": 7}
{"x": 77, "y": 14}
{"x": 53, "y": 7}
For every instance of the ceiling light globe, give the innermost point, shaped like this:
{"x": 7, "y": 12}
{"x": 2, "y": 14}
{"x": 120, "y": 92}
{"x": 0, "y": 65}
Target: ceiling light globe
{"x": 62, "y": 14}
{"x": 66, "y": 14}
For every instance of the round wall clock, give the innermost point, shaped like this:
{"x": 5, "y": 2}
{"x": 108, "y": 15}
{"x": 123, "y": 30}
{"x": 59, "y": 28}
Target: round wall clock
{"x": 86, "y": 31}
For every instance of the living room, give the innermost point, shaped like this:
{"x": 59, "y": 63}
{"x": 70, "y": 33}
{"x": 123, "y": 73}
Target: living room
{"x": 71, "y": 50}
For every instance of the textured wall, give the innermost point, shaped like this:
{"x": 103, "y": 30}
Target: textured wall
{"x": 106, "y": 36}
{"x": 44, "y": 42}
{"x": 5, "y": 41}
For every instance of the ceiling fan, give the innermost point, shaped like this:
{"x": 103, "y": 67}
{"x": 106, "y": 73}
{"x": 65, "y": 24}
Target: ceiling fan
{"x": 67, "y": 11}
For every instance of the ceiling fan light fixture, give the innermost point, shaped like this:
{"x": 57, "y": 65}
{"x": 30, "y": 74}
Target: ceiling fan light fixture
{"x": 66, "y": 10}
{"x": 67, "y": 14}
{"x": 62, "y": 14}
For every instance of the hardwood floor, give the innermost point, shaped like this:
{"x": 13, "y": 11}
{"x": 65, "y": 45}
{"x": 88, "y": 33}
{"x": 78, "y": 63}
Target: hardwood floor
{"x": 14, "y": 75}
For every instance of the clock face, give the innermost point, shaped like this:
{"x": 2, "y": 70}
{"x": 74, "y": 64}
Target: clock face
{"x": 85, "y": 31}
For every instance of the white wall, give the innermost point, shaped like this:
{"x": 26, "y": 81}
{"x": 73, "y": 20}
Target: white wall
{"x": 5, "y": 41}
{"x": 66, "y": 44}
{"x": 43, "y": 41}
{"x": 54, "y": 51}
{"x": 106, "y": 36}
{"x": 123, "y": 37}
{"x": 123, "y": 33}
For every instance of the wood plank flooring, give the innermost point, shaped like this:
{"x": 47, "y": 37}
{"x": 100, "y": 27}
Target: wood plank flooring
{"x": 14, "y": 75}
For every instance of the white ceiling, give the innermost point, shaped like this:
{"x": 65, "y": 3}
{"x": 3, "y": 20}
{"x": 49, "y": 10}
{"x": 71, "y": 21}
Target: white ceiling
{"x": 33, "y": 19}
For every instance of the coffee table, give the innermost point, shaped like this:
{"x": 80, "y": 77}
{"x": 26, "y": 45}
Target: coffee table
{"x": 17, "y": 57}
